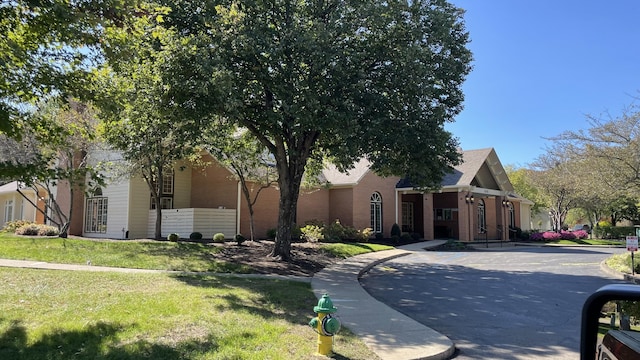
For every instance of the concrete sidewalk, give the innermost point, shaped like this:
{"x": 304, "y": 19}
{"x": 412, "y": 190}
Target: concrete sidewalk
{"x": 389, "y": 333}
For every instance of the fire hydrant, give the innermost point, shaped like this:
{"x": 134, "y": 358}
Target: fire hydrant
{"x": 325, "y": 324}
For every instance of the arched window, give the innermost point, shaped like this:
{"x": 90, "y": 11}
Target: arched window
{"x": 482, "y": 217}
{"x": 376, "y": 212}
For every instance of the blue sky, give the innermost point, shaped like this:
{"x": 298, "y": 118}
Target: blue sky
{"x": 541, "y": 66}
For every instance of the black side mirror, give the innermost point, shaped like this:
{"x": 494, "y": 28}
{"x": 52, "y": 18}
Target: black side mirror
{"x": 619, "y": 342}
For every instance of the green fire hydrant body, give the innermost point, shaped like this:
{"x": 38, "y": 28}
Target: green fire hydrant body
{"x": 325, "y": 324}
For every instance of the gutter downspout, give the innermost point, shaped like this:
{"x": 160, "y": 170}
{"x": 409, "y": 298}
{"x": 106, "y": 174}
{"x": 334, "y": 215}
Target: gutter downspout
{"x": 238, "y": 208}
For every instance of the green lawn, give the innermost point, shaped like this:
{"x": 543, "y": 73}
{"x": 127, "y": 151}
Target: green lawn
{"x": 347, "y": 250}
{"x": 160, "y": 255}
{"x": 588, "y": 242}
{"x": 93, "y": 315}
{"x": 47, "y": 314}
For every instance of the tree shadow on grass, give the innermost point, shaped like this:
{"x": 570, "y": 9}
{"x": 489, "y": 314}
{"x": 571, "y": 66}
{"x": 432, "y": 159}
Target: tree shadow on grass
{"x": 98, "y": 341}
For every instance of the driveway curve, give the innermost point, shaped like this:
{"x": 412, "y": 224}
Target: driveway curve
{"x": 509, "y": 303}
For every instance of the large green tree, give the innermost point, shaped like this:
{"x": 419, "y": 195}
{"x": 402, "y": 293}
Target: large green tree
{"x": 338, "y": 79}
{"x": 143, "y": 118}
{"x": 47, "y": 48}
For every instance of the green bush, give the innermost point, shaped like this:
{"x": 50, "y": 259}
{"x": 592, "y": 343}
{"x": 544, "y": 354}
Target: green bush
{"x": 12, "y": 226}
{"x": 271, "y": 233}
{"x": 395, "y": 230}
{"x": 296, "y": 234}
{"x": 239, "y": 239}
{"x": 395, "y": 239}
{"x": 218, "y": 237}
{"x": 195, "y": 235}
{"x": 613, "y": 232}
{"x": 379, "y": 236}
{"x": 312, "y": 233}
{"x": 336, "y": 232}
{"x": 406, "y": 237}
{"x": 173, "y": 237}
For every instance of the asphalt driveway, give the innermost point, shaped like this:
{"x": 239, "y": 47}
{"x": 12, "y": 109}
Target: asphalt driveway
{"x": 510, "y": 303}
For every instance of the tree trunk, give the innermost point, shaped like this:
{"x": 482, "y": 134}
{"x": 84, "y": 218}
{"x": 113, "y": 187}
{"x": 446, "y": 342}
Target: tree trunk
{"x": 289, "y": 191}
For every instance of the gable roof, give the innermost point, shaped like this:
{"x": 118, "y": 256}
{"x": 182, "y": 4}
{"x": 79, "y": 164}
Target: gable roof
{"x": 481, "y": 168}
{"x": 353, "y": 176}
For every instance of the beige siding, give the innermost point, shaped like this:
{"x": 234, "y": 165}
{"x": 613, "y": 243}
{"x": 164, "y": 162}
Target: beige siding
{"x": 117, "y": 194}
{"x": 139, "y": 205}
{"x": 186, "y": 221}
{"x": 182, "y": 187}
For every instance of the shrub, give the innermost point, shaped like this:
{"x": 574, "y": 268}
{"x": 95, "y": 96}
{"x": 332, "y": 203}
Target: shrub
{"x": 239, "y": 239}
{"x": 29, "y": 229}
{"x": 395, "y": 239}
{"x": 173, "y": 237}
{"x": 406, "y": 237}
{"x": 581, "y": 234}
{"x": 46, "y": 230}
{"x": 395, "y": 230}
{"x": 379, "y": 236}
{"x": 536, "y": 236}
{"x": 195, "y": 235}
{"x": 12, "y": 226}
{"x": 550, "y": 236}
{"x": 218, "y": 237}
{"x": 613, "y": 232}
{"x": 335, "y": 232}
{"x": 312, "y": 233}
{"x": 296, "y": 234}
{"x": 567, "y": 235}
{"x": 271, "y": 233}
{"x": 37, "y": 230}
{"x": 364, "y": 234}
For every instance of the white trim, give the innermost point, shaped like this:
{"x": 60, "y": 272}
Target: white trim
{"x": 238, "y": 210}
{"x": 396, "y": 206}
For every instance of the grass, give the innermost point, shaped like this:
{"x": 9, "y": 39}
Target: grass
{"x": 159, "y": 255}
{"x": 621, "y": 262}
{"x": 92, "y": 315}
{"x": 587, "y": 242}
{"x": 347, "y": 250}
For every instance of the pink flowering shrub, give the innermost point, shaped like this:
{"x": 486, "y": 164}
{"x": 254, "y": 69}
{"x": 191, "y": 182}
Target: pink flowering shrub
{"x": 567, "y": 235}
{"x": 581, "y": 234}
{"x": 550, "y": 236}
{"x": 544, "y": 236}
{"x": 536, "y": 236}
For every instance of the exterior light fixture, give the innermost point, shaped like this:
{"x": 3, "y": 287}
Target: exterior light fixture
{"x": 469, "y": 198}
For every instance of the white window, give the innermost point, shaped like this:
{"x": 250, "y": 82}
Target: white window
{"x": 407, "y": 216}
{"x": 96, "y": 215}
{"x": 482, "y": 217}
{"x": 376, "y": 212}
{"x": 166, "y": 201}
{"x": 8, "y": 211}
